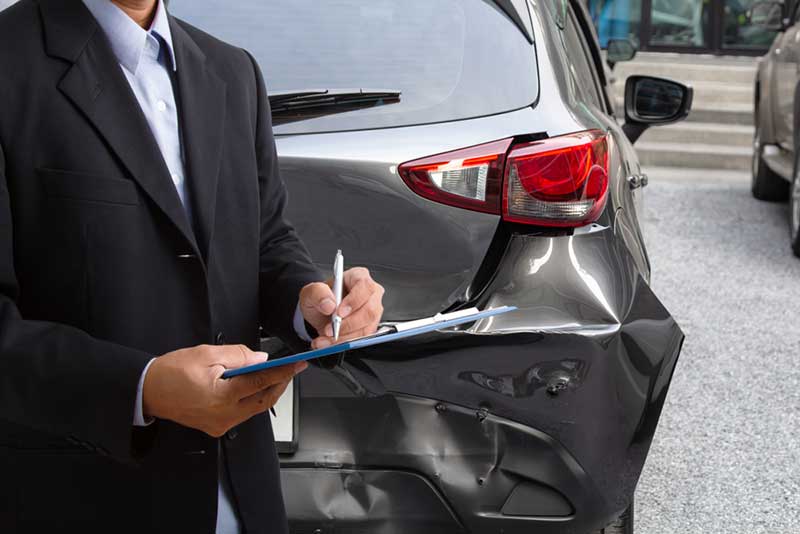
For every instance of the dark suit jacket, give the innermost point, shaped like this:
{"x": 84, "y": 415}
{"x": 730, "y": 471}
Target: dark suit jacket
{"x": 100, "y": 270}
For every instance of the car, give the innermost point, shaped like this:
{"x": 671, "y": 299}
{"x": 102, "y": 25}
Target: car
{"x": 775, "y": 168}
{"x": 468, "y": 154}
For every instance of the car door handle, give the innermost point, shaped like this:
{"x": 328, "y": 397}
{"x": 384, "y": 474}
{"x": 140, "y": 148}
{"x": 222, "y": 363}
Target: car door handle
{"x": 638, "y": 180}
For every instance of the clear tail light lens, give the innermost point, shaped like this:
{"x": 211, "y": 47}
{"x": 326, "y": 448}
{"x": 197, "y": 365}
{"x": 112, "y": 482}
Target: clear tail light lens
{"x": 471, "y": 178}
{"x": 561, "y": 181}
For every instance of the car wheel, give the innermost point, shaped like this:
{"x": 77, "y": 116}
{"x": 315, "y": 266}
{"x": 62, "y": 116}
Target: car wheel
{"x": 794, "y": 209}
{"x": 765, "y": 185}
{"x": 622, "y": 525}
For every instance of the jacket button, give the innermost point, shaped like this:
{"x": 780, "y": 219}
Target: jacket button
{"x": 220, "y": 339}
{"x": 231, "y": 434}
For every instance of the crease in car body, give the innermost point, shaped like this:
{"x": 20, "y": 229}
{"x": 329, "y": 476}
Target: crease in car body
{"x": 634, "y": 351}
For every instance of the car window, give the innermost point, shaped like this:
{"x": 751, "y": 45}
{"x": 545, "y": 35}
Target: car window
{"x": 580, "y": 64}
{"x": 451, "y": 59}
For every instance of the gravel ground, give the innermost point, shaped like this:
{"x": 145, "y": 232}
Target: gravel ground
{"x": 726, "y": 456}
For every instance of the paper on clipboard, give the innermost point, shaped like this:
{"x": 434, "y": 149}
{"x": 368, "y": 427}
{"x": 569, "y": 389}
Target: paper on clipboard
{"x": 388, "y": 333}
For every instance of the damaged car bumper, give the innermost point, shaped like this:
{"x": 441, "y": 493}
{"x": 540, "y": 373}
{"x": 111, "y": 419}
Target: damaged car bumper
{"x": 534, "y": 421}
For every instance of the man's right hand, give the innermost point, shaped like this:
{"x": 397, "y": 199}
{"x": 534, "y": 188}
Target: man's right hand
{"x": 186, "y": 386}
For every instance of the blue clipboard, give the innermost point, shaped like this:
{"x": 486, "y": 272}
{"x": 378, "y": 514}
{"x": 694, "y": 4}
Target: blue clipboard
{"x": 375, "y": 339}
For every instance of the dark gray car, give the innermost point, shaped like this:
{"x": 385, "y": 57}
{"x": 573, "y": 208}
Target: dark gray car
{"x": 776, "y": 143}
{"x": 466, "y": 152}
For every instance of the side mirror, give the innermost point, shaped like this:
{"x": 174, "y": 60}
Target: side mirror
{"x": 768, "y": 15}
{"x": 651, "y": 101}
{"x": 619, "y": 50}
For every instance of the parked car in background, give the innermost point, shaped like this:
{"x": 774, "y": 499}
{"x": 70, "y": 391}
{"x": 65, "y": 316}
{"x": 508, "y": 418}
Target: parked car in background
{"x": 467, "y": 153}
{"x": 777, "y": 112}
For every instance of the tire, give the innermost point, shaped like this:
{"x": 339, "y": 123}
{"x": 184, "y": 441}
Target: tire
{"x": 765, "y": 185}
{"x": 622, "y": 525}
{"x": 794, "y": 208}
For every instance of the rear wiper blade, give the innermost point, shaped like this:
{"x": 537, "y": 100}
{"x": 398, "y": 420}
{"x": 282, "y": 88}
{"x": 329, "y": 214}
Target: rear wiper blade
{"x": 321, "y": 97}
{"x": 297, "y": 105}
{"x": 279, "y": 96}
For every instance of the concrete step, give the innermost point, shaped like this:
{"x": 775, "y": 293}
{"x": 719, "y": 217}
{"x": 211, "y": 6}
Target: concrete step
{"x": 735, "y": 114}
{"x": 706, "y": 92}
{"x": 677, "y": 57}
{"x": 695, "y": 155}
{"x": 740, "y": 114}
{"x": 700, "y": 132}
{"x": 735, "y": 72}
{"x": 680, "y": 174}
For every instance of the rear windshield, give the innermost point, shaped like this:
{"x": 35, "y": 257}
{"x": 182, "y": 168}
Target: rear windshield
{"x": 451, "y": 59}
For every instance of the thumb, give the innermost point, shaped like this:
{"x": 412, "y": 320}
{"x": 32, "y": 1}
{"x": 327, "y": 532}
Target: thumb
{"x": 234, "y": 356}
{"x": 317, "y": 297}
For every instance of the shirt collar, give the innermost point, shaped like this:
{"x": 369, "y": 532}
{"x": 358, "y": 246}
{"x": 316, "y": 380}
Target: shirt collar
{"x": 128, "y": 38}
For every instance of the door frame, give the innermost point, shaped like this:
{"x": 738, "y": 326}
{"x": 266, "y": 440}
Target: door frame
{"x": 714, "y": 31}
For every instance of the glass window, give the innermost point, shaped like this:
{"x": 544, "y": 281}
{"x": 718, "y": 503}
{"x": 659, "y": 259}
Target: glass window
{"x": 680, "y": 23}
{"x": 451, "y": 59}
{"x": 616, "y": 19}
{"x": 738, "y": 32}
{"x": 581, "y": 67}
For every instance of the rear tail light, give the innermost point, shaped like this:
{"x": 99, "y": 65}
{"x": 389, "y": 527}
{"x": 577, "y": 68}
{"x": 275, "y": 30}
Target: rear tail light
{"x": 560, "y": 181}
{"x": 471, "y": 178}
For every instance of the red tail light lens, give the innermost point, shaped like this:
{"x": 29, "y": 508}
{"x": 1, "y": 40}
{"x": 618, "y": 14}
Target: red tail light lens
{"x": 561, "y": 181}
{"x": 471, "y": 178}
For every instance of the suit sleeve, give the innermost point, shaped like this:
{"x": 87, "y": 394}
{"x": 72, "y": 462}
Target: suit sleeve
{"x": 57, "y": 379}
{"x": 285, "y": 264}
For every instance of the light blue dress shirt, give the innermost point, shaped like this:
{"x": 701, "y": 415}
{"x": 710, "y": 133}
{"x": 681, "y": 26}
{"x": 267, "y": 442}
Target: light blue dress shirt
{"x": 146, "y": 58}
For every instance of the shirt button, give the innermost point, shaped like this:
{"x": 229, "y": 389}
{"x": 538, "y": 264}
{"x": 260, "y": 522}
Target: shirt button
{"x": 220, "y": 339}
{"x": 232, "y": 434}
{"x": 161, "y": 105}
{"x": 176, "y": 179}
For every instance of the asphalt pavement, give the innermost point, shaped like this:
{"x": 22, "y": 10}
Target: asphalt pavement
{"x": 726, "y": 455}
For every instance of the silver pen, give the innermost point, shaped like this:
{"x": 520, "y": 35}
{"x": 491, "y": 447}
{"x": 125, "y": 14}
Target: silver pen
{"x": 338, "y": 275}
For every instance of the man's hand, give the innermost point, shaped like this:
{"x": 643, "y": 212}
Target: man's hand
{"x": 361, "y": 309}
{"x": 186, "y": 386}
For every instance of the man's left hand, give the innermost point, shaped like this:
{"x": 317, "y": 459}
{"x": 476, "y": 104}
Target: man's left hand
{"x": 361, "y": 308}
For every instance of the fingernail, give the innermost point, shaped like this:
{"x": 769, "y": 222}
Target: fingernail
{"x": 300, "y": 367}
{"x": 263, "y": 355}
{"x": 344, "y": 311}
{"x": 327, "y": 306}
{"x": 322, "y": 343}
{"x": 329, "y": 330}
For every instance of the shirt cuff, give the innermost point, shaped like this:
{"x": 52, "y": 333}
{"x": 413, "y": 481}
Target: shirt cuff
{"x": 300, "y": 325}
{"x": 138, "y": 411}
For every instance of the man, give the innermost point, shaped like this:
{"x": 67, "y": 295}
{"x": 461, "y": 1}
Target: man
{"x": 142, "y": 247}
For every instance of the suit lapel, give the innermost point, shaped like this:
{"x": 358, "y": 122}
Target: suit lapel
{"x": 97, "y": 87}
{"x": 202, "y": 113}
